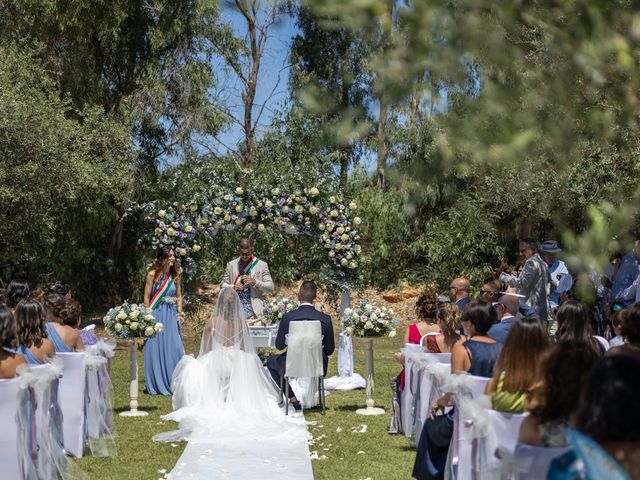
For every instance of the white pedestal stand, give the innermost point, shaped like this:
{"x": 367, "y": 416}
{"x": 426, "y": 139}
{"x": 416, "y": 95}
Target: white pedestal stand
{"x": 133, "y": 386}
{"x": 370, "y": 410}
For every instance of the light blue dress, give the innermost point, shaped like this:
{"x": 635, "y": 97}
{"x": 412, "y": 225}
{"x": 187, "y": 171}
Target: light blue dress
{"x": 163, "y": 352}
{"x": 58, "y": 343}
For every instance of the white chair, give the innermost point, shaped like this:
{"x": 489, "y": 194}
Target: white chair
{"x": 406, "y": 397}
{"x": 429, "y": 389}
{"x": 534, "y": 462}
{"x": 304, "y": 356}
{"x": 9, "y": 438}
{"x": 71, "y": 397}
{"x": 503, "y": 430}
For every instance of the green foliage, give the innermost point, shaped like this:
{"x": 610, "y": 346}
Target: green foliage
{"x": 63, "y": 174}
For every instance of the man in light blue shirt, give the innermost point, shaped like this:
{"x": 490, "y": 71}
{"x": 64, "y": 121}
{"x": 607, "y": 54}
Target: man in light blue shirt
{"x": 626, "y": 275}
{"x": 557, "y": 269}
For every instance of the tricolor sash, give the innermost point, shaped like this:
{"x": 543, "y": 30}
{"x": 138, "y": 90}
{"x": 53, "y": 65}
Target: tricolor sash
{"x": 161, "y": 292}
{"x": 253, "y": 261}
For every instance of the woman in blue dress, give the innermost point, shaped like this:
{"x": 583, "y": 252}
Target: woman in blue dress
{"x": 163, "y": 295}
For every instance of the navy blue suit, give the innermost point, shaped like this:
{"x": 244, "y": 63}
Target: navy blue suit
{"x": 499, "y": 331}
{"x": 277, "y": 363}
{"x": 463, "y": 302}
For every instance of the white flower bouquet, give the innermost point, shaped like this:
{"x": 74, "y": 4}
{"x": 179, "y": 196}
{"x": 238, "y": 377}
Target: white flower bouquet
{"x": 369, "y": 320}
{"x": 275, "y": 310}
{"x": 131, "y": 320}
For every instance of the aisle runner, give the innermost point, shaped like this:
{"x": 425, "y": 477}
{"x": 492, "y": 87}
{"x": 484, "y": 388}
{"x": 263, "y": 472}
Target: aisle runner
{"x": 245, "y": 457}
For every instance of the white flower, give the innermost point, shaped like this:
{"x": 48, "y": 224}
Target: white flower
{"x": 171, "y": 232}
{"x": 117, "y": 327}
{"x": 134, "y": 325}
{"x": 368, "y": 325}
{"x": 344, "y": 262}
{"x": 196, "y": 248}
{"x": 353, "y": 265}
{"x": 175, "y": 225}
{"x": 227, "y": 198}
{"x": 349, "y": 255}
{"x": 349, "y": 330}
{"x": 299, "y": 208}
{"x": 188, "y": 228}
{"x": 134, "y": 306}
{"x": 149, "y": 331}
{"x": 333, "y": 213}
{"x": 357, "y": 221}
{"x": 217, "y": 211}
{"x": 279, "y": 314}
{"x": 357, "y": 249}
{"x": 392, "y": 333}
{"x": 162, "y": 213}
{"x": 268, "y": 204}
{"x": 373, "y": 316}
{"x": 314, "y": 192}
{"x": 148, "y": 317}
{"x": 239, "y": 191}
{"x": 332, "y": 253}
{"x": 121, "y": 315}
{"x": 158, "y": 231}
{"x": 321, "y": 226}
{"x": 238, "y": 221}
{"x": 227, "y": 218}
{"x": 368, "y": 307}
{"x": 127, "y": 321}
{"x": 340, "y": 230}
{"x": 377, "y": 330}
{"x": 261, "y": 228}
{"x": 344, "y": 237}
{"x": 332, "y": 199}
{"x": 158, "y": 327}
{"x": 238, "y": 208}
{"x": 183, "y": 251}
{"x": 313, "y": 210}
{"x": 193, "y": 207}
{"x": 134, "y": 314}
{"x": 348, "y": 311}
{"x": 285, "y": 209}
{"x": 253, "y": 212}
{"x": 275, "y": 191}
{"x": 353, "y": 205}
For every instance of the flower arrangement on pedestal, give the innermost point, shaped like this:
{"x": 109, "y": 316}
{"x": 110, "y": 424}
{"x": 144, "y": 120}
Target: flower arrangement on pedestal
{"x": 369, "y": 320}
{"x": 131, "y": 320}
{"x": 275, "y": 310}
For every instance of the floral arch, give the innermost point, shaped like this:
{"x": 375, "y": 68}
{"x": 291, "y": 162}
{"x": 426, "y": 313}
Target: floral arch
{"x": 323, "y": 216}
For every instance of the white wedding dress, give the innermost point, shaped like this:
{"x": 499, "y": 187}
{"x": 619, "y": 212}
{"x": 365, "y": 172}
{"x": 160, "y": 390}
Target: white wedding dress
{"x": 227, "y": 404}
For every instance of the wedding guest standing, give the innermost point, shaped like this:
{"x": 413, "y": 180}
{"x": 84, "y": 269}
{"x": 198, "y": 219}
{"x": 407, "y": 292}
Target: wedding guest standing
{"x": 250, "y": 277}
{"x": 162, "y": 293}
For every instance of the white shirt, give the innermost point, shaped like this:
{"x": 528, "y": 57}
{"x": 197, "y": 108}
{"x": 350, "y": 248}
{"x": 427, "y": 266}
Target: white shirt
{"x": 558, "y": 269}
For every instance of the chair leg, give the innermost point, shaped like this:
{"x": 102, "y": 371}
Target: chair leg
{"x": 286, "y": 398}
{"x": 322, "y": 397}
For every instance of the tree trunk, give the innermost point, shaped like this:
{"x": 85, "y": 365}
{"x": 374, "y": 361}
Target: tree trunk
{"x": 382, "y": 143}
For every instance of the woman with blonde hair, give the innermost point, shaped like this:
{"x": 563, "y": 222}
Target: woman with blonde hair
{"x": 449, "y": 323}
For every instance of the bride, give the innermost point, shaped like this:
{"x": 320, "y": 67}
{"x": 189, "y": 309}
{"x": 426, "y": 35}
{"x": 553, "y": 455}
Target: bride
{"x": 226, "y": 389}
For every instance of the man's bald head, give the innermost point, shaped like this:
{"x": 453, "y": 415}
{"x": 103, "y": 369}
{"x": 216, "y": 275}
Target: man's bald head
{"x": 459, "y": 288}
{"x": 245, "y": 248}
{"x": 511, "y": 303}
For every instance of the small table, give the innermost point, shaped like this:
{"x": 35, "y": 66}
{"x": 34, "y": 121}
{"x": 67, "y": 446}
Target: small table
{"x": 263, "y": 336}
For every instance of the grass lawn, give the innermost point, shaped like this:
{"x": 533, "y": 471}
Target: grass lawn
{"x": 385, "y": 456}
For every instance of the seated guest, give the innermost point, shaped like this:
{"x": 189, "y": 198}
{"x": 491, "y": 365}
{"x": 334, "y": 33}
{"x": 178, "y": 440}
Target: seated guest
{"x": 64, "y": 338}
{"x": 306, "y": 311}
{"x": 563, "y": 373}
{"x": 608, "y": 411}
{"x": 515, "y": 372}
{"x": 616, "y": 322}
{"x": 61, "y": 288}
{"x": 630, "y": 331}
{"x": 17, "y": 290}
{"x": 491, "y": 290}
{"x": 477, "y": 356}
{"x": 507, "y": 308}
{"x": 449, "y": 324}
{"x": 427, "y": 313}
{"x": 73, "y": 311}
{"x": 459, "y": 292}
{"x": 9, "y": 359}
{"x": 574, "y": 325}
{"x": 32, "y": 332}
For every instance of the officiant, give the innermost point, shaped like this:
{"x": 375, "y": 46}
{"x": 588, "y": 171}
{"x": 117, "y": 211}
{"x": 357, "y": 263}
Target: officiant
{"x": 250, "y": 277}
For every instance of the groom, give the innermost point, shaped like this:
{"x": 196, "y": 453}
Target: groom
{"x": 306, "y": 311}
{"x": 250, "y": 278}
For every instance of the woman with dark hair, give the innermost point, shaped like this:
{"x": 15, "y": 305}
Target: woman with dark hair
{"x": 9, "y": 359}
{"x": 563, "y": 372}
{"x": 17, "y": 290}
{"x": 72, "y": 318}
{"x": 478, "y": 356}
{"x": 608, "y": 411}
{"x": 574, "y": 325}
{"x": 629, "y": 331}
{"x": 64, "y": 338}
{"x": 61, "y": 288}
{"x": 162, "y": 293}
{"x": 515, "y": 372}
{"x": 32, "y": 332}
